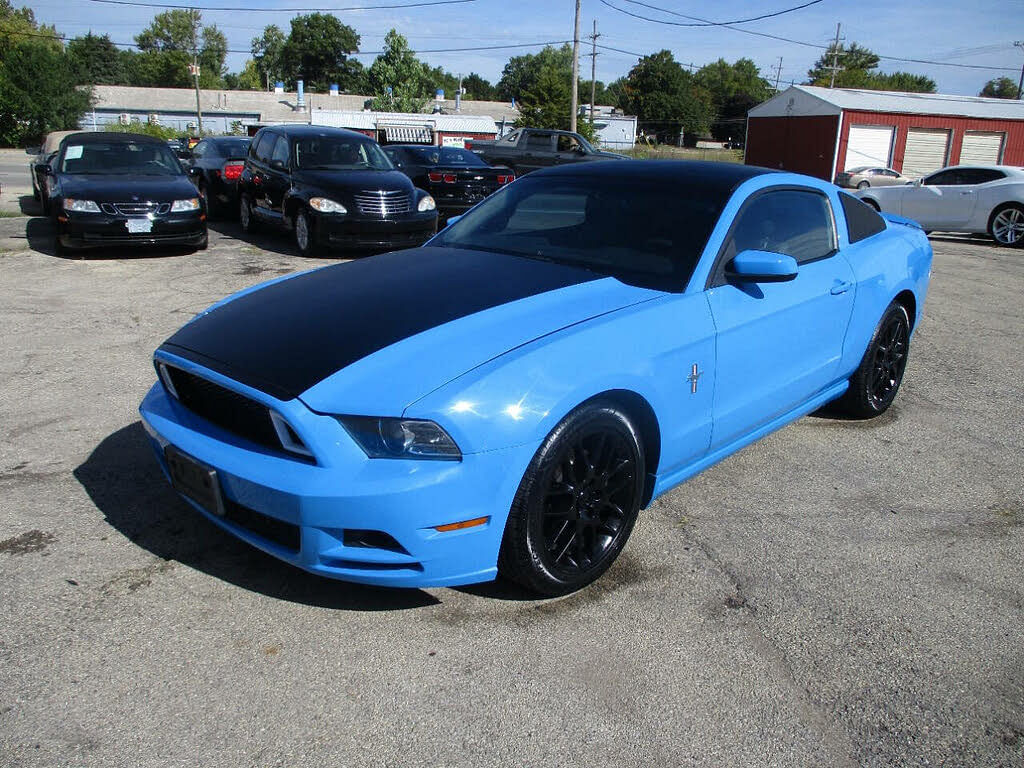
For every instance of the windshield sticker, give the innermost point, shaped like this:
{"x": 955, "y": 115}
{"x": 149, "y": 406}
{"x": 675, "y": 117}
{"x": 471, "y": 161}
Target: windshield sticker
{"x": 73, "y": 152}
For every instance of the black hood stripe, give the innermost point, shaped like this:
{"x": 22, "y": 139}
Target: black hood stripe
{"x": 286, "y": 337}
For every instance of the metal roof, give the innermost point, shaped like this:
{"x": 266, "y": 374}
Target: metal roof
{"x": 814, "y": 100}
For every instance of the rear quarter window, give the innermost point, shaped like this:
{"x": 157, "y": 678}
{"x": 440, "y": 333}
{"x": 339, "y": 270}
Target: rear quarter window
{"x": 862, "y": 221}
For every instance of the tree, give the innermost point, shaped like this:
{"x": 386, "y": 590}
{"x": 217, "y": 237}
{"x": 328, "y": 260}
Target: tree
{"x": 19, "y": 25}
{"x": 601, "y": 95}
{"x": 521, "y": 72}
{"x": 249, "y": 79}
{"x": 857, "y": 69}
{"x": 157, "y": 69}
{"x": 1000, "y": 88}
{"x": 398, "y": 80}
{"x": 316, "y": 52}
{"x": 180, "y": 31}
{"x": 37, "y": 93}
{"x": 95, "y": 60}
{"x": 734, "y": 89}
{"x": 439, "y": 77}
{"x": 659, "y": 91}
{"x": 477, "y": 88}
{"x": 267, "y": 53}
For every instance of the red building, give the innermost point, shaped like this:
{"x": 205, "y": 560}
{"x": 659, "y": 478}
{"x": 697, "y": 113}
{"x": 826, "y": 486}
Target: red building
{"x": 821, "y": 131}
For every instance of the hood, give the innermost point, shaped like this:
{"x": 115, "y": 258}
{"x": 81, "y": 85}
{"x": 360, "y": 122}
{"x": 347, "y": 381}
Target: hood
{"x": 611, "y": 155}
{"x": 354, "y": 181}
{"x": 105, "y": 188}
{"x": 372, "y": 336}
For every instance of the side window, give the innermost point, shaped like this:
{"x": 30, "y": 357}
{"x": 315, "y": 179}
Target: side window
{"x": 200, "y": 149}
{"x": 541, "y": 141}
{"x": 567, "y": 143}
{"x": 980, "y": 175}
{"x": 794, "y": 222}
{"x": 948, "y": 177}
{"x": 266, "y": 146}
{"x": 890, "y": 174}
{"x": 862, "y": 221}
{"x": 280, "y": 153}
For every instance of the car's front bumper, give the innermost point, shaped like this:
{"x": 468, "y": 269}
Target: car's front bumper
{"x": 356, "y": 232}
{"x": 95, "y": 230}
{"x": 299, "y": 511}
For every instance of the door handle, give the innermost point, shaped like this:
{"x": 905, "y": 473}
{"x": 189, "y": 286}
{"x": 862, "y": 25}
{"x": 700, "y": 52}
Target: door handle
{"x": 965, "y": 194}
{"x": 841, "y": 286}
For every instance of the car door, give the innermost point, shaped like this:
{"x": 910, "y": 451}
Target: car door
{"x": 567, "y": 149}
{"x": 778, "y": 344}
{"x": 944, "y": 199}
{"x": 539, "y": 151}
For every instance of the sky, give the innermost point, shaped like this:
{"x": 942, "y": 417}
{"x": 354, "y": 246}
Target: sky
{"x": 980, "y": 33}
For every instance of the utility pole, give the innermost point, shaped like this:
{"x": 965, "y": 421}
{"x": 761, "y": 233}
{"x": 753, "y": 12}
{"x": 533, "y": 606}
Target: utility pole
{"x": 835, "y": 58}
{"x": 1020, "y": 83}
{"x": 575, "y": 69}
{"x": 593, "y": 70}
{"x": 778, "y": 75}
{"x": 195, "y": 66}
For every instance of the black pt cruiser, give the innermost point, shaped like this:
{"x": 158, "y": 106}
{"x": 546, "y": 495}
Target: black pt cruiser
{"x": 332, "y": 188}
{"x": 111, "y": 189}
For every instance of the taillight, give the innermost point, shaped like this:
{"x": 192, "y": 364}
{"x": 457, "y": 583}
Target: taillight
{"x": 449, "y": 178}
{"x": 467, "y": 144}
{"x": 435, "y": 177}
{"x": 506, "y": 179}
{"x": 233, "y": 171}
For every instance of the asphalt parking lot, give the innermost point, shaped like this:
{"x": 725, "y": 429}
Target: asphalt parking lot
{"x": 838, "y": 594}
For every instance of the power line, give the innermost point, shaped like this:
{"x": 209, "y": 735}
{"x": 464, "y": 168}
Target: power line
{"x": 704, "y": 23}
{"x": 818, "y": 46}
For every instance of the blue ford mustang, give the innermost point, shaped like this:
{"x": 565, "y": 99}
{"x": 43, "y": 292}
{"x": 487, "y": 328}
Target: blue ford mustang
{"x": 505, "y": 399}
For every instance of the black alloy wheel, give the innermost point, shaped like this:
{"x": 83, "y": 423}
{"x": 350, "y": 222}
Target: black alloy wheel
{"x": 577, "y": 503}
{"x": 876, "y": 381}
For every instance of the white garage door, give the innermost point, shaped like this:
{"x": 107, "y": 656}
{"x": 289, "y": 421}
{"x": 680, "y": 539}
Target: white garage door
{"x": 927, "y": 151}
{"x": 982, "y": 148}
{"x": 869, "y": 145}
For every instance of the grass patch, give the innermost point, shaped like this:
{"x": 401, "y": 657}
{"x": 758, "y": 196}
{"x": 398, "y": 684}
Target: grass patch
{"x": 666, "y": 152}
{"x": 11, "y": 215}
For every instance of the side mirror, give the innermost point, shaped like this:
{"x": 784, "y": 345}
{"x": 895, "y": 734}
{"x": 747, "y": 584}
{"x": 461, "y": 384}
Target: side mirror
{"x": 277, "y": 165}
{"x": 451, "y": 220}
{"x": 44, "y": 168}
{"x": 918, "y": 182}
{"x": 761, "y": 267}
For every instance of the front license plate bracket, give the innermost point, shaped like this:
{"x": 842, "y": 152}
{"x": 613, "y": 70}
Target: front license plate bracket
{"x": 195, "y": 480}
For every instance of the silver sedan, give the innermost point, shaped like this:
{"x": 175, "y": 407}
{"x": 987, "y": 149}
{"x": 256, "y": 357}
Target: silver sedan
{"x": 870, "y": 176}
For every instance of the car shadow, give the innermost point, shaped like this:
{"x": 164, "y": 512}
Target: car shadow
{"x": 266, "y": 240}
{"x": 125, "y": 483}
{"x": 39, "y": 234}
{"x": 30, "y": 206}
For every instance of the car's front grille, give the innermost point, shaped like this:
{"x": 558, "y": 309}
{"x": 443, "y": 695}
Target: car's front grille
{"x": 135, "y": 208}
{"x": 383, "y": 203}
{"x": 277, "y": 531}
{"x": 229, "y": 410}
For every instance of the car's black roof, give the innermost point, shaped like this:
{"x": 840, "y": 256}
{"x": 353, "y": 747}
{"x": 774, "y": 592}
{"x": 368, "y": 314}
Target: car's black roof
{"x": 301, "y": 130}
{"x": 111, "y": 137}
{"x": 709, "y": 175}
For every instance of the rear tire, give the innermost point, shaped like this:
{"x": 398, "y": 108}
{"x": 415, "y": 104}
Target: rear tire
{"x": 1006, "y": 226}
{"x": 577, "y": 502}
{"x": 246, "y": 217}
{"x": 212, "y": 208}
{"x": 863, "y": 185}
{"x": 877, "y": 379}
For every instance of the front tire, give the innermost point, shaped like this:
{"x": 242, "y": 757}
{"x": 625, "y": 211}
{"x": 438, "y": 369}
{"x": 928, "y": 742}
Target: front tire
{"x": 877, "y": 379}
{"x": 1006, "y": 226}
{"x": 577, "y": 502}
{"x": 863, "y": 185}
{"x": 245, "y": 215}
{"x": 305, "y": 235}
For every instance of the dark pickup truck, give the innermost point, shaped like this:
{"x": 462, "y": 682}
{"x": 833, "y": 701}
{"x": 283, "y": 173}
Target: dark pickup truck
{"x": 527, "y": 149}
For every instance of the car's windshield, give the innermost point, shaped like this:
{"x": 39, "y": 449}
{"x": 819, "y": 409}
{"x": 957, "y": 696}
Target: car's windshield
{"x": 339, "y": 153}
{"x": 651, "y": 232}
{"x": 120, "y": 158}
{"x": 447, "y": 156}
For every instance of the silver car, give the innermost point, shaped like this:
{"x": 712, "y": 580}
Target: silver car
{"x": 870, "y": 176}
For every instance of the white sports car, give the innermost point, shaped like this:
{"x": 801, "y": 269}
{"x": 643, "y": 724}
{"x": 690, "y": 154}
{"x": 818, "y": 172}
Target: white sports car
{"x": 976, "y": 199}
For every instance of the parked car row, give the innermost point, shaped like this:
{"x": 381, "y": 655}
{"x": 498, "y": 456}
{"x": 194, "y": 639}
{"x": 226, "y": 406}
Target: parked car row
{"x": 331, "y": 188}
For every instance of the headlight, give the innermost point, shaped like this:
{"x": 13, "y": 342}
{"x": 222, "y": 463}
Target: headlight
{"x": 80, "y": 206}
{"x": 183, "y": 206}
{"x": 387, "y": 438}
{"x": 326, "y": 205}
{"x": 426, "y": 204}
